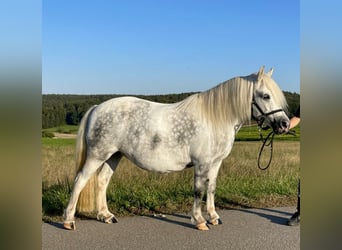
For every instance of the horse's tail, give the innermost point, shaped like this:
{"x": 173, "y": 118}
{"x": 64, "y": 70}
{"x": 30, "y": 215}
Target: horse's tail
{"x": 87, "y": 199}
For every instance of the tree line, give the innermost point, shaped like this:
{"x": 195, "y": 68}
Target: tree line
{"x": 58, "y": 110}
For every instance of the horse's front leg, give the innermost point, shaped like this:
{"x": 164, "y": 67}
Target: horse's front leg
{"x": 214, "y": 218}
{"x": 200, "y": 181}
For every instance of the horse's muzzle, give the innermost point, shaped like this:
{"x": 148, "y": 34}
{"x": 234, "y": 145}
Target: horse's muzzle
{"x": 281, "y": 126}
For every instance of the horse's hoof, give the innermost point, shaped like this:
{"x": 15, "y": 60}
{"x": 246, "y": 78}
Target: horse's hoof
{"x": 217, "y": 221}
{"x": 111, "y": 220}
{"x": 70, "y": 225}
{"x": 202, "y": 227}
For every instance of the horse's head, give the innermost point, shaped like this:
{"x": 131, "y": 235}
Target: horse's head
{"x": 269, "y": 103}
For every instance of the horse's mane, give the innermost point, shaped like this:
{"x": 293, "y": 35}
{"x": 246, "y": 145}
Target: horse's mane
{"x": 230, "y": 101}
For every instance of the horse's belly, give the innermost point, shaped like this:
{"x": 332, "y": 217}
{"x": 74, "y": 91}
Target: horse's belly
{"x": 160, "y": 162}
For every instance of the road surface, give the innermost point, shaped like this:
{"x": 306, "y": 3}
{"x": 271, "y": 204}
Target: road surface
{"x": 263, "y": 228}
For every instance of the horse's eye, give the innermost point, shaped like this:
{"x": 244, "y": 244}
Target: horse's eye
{"x": 266, "y": 97}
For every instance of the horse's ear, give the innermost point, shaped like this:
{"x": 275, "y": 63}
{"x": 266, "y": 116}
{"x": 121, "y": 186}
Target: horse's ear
{"x": 261, "y": 72}
{"x": 269, "y": 73}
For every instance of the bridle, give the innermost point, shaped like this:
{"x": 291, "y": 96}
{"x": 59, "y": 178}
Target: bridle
{"x": 261, "y": 118}
{"x": 268, "y": 141}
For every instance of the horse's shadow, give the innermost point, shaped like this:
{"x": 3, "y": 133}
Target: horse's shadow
{"x": 58, "y": 225}
{"x": 271, "y": 217}
{"x": 175, "y": 221}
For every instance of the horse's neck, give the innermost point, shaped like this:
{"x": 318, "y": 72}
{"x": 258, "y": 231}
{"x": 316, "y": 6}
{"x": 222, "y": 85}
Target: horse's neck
{"x": 213, "y": 118}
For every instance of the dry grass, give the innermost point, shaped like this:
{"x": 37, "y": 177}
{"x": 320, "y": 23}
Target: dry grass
{"x": 245, "y": 184}
{"x": 58, "y": 162}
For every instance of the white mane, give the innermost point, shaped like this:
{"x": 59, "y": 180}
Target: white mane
{"x": 230, "y": 101}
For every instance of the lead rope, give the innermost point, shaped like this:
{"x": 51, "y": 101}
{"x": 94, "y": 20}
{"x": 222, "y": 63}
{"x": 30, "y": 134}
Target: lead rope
{"x": 268, "y": 142}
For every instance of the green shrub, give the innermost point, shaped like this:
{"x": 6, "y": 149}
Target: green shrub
{"x": 55, "y": 198}
{"x": 47, "y": 134}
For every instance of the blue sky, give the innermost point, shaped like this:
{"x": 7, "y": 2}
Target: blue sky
{"x": 161, "y": 47}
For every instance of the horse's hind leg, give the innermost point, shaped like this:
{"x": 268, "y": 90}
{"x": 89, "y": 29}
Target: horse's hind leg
{"x": 214, "y": 218}
{"x": 104, "y": 176}
{"x": 89, "y": 168}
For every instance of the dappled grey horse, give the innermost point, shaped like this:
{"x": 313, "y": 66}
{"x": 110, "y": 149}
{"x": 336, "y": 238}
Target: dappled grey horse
{"x": 197, "y": 132}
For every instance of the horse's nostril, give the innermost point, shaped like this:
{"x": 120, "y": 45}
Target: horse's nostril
{"x": 285, "y": 124}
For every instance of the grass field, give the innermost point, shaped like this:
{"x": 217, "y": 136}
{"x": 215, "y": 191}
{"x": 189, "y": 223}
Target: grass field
{"x": 66, "y": 129}
{"x": 135, "y": 191}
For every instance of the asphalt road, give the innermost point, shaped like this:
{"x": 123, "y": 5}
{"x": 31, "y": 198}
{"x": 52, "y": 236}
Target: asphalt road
{"x": 263, "y": 228}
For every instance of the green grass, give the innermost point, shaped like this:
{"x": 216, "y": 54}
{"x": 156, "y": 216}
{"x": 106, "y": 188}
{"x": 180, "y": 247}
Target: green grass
{"x": 65, "y": 129}
{"x": 55, "y": 197}
{"x": 46, "y": 142}
{"x": 252, "y": 133}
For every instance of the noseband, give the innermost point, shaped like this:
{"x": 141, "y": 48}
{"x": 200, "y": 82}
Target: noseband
{"x": 261, "y": 118}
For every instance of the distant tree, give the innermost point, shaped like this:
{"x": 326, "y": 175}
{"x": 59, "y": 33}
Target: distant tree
{"x": 69, "y": 109}
{"x": 293, "y": 100}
